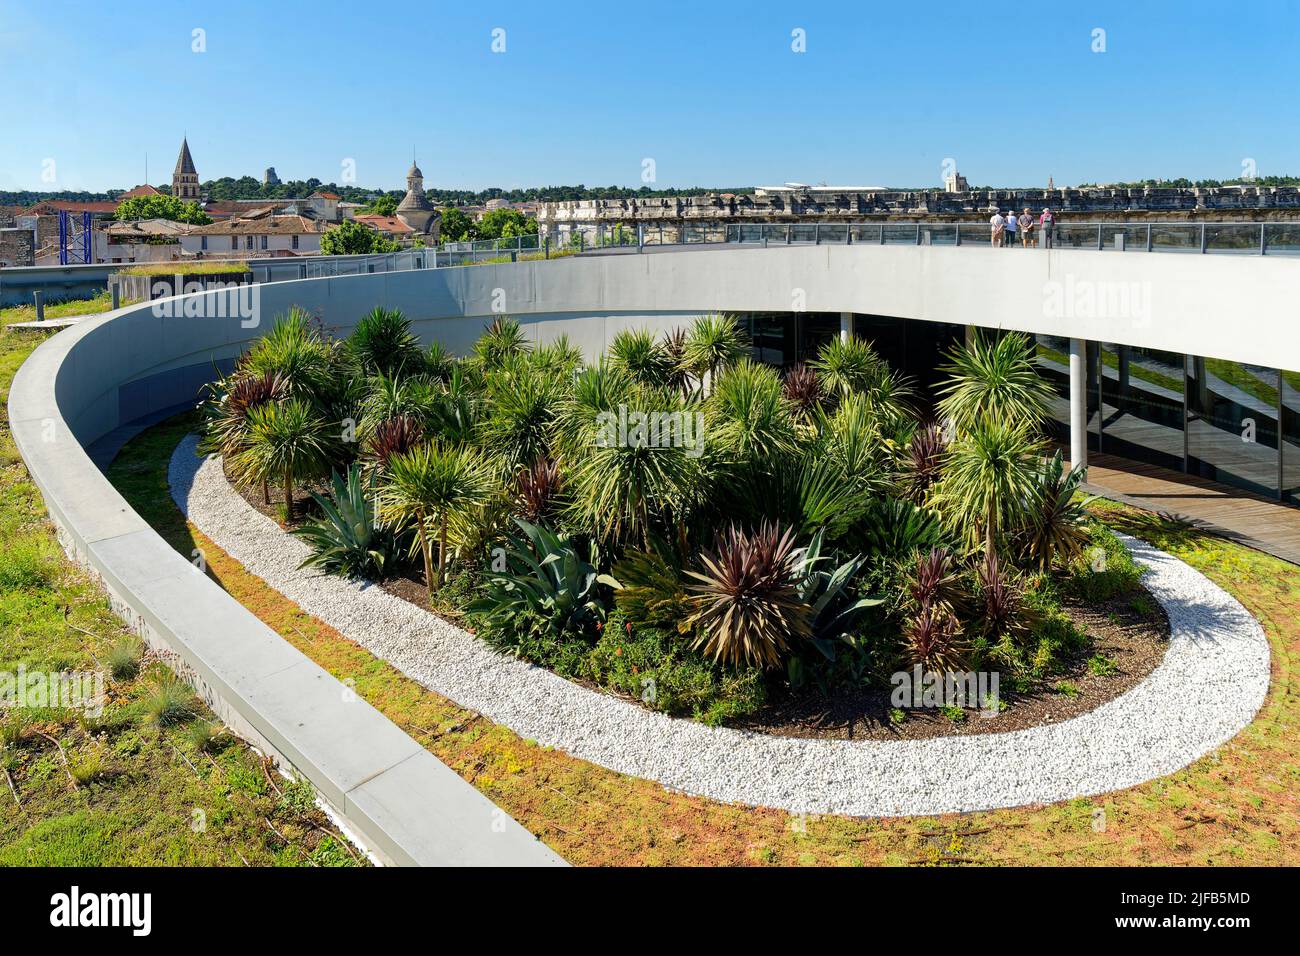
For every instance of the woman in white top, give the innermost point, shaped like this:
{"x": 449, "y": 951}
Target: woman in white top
{"x": 999, "y": 225}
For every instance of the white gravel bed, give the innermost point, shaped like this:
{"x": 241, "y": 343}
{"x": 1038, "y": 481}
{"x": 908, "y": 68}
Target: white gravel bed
{"x": 1210, "y": 685}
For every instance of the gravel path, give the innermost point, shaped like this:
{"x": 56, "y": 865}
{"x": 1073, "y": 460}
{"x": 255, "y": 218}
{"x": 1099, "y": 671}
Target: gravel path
{"x": 1210, "y": 685}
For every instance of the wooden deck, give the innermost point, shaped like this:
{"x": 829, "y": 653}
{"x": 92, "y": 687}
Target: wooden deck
{"x": 1261, "y": 523}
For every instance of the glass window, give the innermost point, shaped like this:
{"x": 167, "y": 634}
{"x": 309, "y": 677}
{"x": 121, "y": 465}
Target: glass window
{"x": 774, "y": 338}
{"x": 1232, "y": 427}
{"x": 1142, "y": 404}
{"x": 815, "y": 330}
{"x": 1291, "y": 437}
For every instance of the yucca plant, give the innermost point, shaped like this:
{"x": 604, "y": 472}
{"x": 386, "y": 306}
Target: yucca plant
{"x": 715, "y": 342}
{"x": 749, "y": 419}
{"x": 677, "y": 374}
{"x": 745, "y": 602}
{"x": 987, "y": 477}
{"x": 846, "y": 366}
{"x": 537, "y": 488}
{"x": 438, "y": 361}
{"x": 803, "y": 390}
{"x": 501, "y": 341}
{"x": 225, "y": 427}
{"x": 295, "y": 351}
{"x": 347, "y": 541}
{"x": 383, "y": 344}
{"x": 287, "y": 441}
{"x": 1056, "y": 529}
{"x": 559, "y": 357}
{"x": 547, "y": 578}
{"x": 424, "y": 488}
{"x": 521, "y": 411}
{"x": 995, "y": 379}
{"x": 643, "y": 358}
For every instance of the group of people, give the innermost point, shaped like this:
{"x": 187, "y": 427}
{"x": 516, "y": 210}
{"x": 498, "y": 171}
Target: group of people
{"x": 1025, "y": 226}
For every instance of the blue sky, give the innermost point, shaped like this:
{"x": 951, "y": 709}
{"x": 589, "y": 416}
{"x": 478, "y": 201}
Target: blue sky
{"x": 711, "y": 91}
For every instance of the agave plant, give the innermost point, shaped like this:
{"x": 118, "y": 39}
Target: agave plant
{"x": 287, "y": 441}
{"x": 745, "y": 601}
{"x": 1057, "y": 521}
{"x": 643, "y": 358}
{"x": 536, "y": 489}
{"x": 547, "y": 578}
{"x": 424, "y": 488}
{"x": 501, "y": 341}
{"x": 995, "y": 379}
{"x": 714, "y": 342}
{"x": 803, "y": 390}
{"x": 346, "y": 540}
{"x": 382, "y": 344}
{"x": 826, "y": 588}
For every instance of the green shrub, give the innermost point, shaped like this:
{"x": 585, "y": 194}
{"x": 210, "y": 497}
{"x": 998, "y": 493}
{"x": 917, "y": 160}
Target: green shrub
{"x": 347, "y": 540}
{"x": 169, "y": 702}
{"x": 123, "y": 658}
{"x": 1106, "y": 569}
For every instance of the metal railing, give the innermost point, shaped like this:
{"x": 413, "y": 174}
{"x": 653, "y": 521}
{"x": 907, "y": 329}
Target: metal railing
{"x": 1239, "y": 238}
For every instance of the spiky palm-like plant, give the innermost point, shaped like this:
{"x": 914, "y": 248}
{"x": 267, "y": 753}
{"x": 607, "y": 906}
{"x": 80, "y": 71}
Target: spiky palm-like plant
{"x": 987, "y": 478}
{"x": 457, "y": 410}
{"x": 1056, "y": 528}
{"x": 678, "y": 373}
{"x": 643, "y": 358}
{"x": 346, "y": 540}
{"x": 803, "y": 389}
{"x": 388, "y": 397}
{"x": 1000, "y": 599}
{"x": 287, "y": 441}
{"x": 745, "y": 601}
{"x": 393, "y": 436}
{"x": 383, "y": 344}
{"x": 522, "y": 407}
{"x": 715, "y": 342}
{"x": 537, "y": 488}
{"x": 427, "y": 486}
{"x": 853, "y": 437}
{"x": 933, "y": 639}
{"x": 597, "y": 390}
{"x": 923, "y": 461}
{"x": 749, "y": 419}
{"x": 438, "y": 361}
{"x": 501, "y": 341}
{"x": 295, "y": 351}
{"x": 225, "y": 427}
{"x": 934, "y": 581}
{"x": 995, "y": 378}
{"x": 846, "y": 366}
{"x": 559, "y": 357}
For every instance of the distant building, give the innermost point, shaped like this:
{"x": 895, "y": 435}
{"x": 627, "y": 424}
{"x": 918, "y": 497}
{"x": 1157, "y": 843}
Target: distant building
{"x": 389, "y": 226}
{"x": 145, "y": 190}
{"x": 263, "y": 233}
{"x": 955, "y": 182}
{"x": 269, "y": 178}
{"x": 145, "y": 240}
{"x": 415, "y": 209}
{"x": 185, "y": 179}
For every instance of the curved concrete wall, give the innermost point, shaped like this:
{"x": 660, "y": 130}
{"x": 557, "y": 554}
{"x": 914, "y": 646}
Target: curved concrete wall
{"x": 90, "y": 380}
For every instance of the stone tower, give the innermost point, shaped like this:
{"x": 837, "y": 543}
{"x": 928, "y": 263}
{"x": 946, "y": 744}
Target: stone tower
{"x": 415, "y": 209}
{"x": 185, "y": 180}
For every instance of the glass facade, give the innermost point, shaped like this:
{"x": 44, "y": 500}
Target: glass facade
{"x": 1229, "y": 422}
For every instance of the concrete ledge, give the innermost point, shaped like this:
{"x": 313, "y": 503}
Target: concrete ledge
{"x": 404, "y": 804}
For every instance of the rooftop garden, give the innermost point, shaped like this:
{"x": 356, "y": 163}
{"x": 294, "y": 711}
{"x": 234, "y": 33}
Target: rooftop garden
{"x": 679, "y": 525}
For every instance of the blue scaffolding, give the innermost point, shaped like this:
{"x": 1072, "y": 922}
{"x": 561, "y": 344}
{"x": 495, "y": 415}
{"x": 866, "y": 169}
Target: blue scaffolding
{"x": 74, "y": 239}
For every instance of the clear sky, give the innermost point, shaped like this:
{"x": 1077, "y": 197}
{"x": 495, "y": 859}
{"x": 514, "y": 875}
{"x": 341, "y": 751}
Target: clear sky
{"x": 712, "y": 92}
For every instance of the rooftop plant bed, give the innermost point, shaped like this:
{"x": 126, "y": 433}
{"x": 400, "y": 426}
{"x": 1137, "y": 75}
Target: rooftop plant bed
{"x": 678, "y": 524}
{"x": 206, "y": 267}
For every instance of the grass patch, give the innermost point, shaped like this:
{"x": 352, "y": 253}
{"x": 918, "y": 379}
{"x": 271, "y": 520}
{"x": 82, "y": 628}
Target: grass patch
{"x": 205, "y": 267}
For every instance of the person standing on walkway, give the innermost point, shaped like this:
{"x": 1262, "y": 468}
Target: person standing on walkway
{"x": 1026, "y": 228}
{"x": 999, "y": 228}
{"x": 1045, "y": 223}
{"x": 1011, "y": 229}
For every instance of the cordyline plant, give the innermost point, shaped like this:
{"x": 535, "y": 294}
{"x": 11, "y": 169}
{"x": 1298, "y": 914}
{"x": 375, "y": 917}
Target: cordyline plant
{"x": 923, "y": 461}
{"x": 287, "y": 441}
{"x": 714, "y": 342}
{"x": 803, "y": 390}
{"x": 536, "y": 489}
{"x": 393, "y": 436}
{"x": 1057, "y": 521}
{"x": 745, "y": 601}
{"x": 225, "y": 430}
{"x": 933, "y": 639}
{"x": 426, "y": 487}
{"x": 995, "y": 379}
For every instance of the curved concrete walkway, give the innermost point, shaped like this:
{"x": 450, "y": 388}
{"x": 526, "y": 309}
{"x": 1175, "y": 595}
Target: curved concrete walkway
{"x": 1212, "y": 682}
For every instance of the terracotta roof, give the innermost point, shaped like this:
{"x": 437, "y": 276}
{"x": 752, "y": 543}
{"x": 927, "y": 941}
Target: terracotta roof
{"x": 145, "y": 190}
{"x": 321, "y": 195}
{"x": 51, "y": 206}
{"x": 268, "y": 225}
{"x": 389, "y": 224}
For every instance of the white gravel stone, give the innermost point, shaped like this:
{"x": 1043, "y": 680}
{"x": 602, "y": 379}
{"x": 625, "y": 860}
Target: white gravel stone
{"x": 1210, "y": 685}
